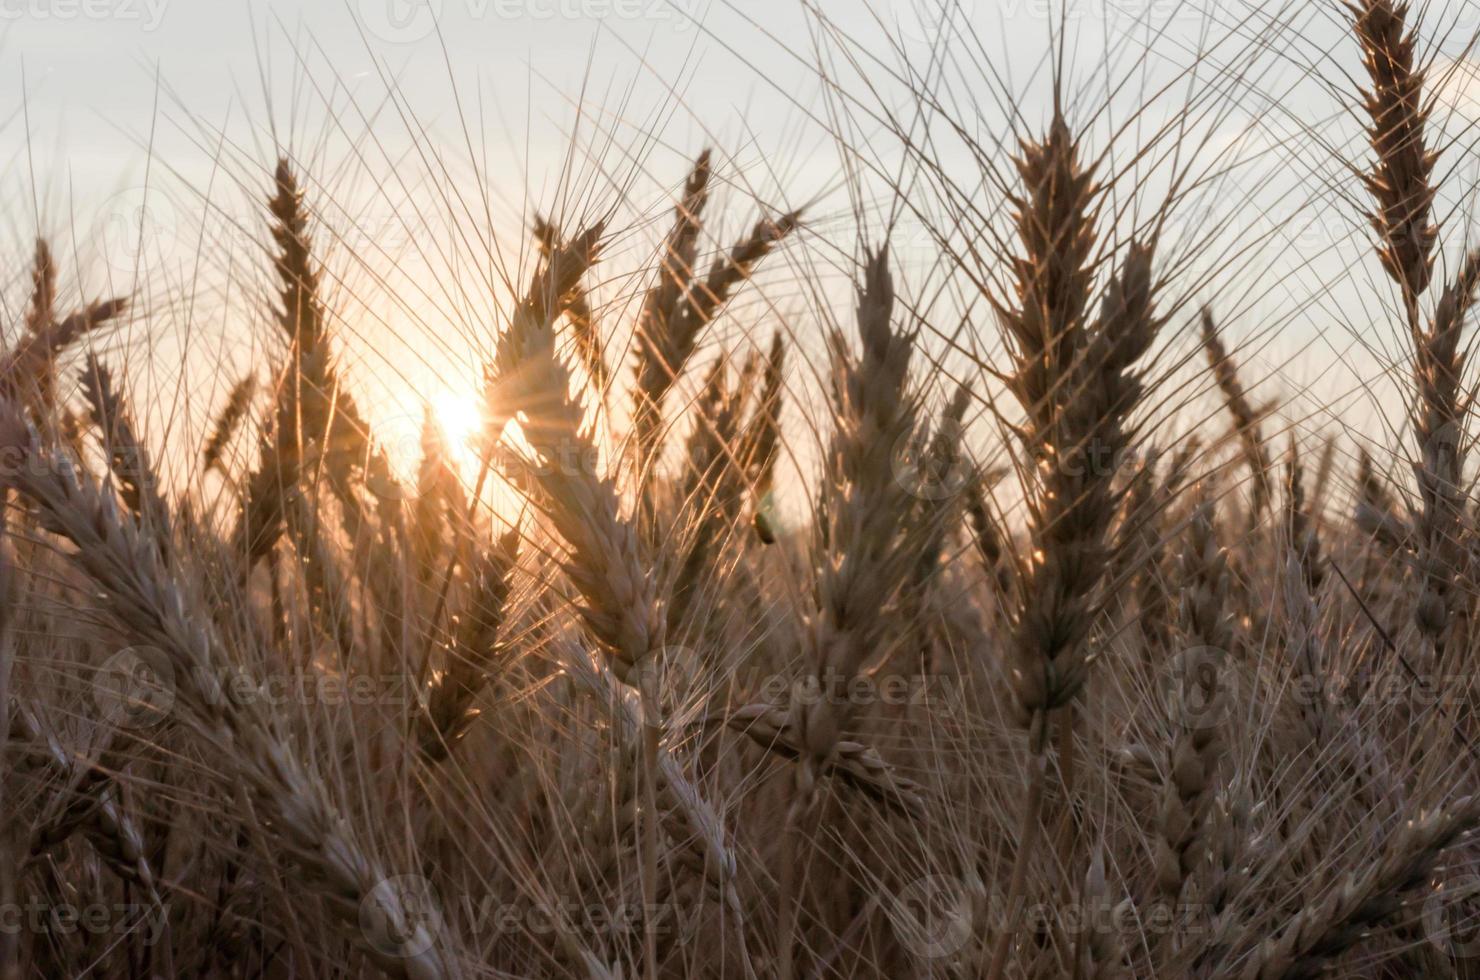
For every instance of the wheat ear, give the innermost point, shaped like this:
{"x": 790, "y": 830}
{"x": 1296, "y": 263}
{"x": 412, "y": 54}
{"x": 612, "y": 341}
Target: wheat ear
{"x": 1245, "y": 417}
{"x": 584, "y": 329}
{"x": 1358, "y": 903}
{"x": 90, "y": 805}
{"x": 679, "y": 307}
{"x": 662, "y": 307}
{"x": 1197, "y": 740}
{"x": 1076, "y": 381}
{"x": 1376, "y": 515}
{"x": 1401, "y": 182}
{"x": 860, "y": 511}
{"x": 762, "y": 438}
{"x": 1401, "y": 179}
{"x": 128, "y": 460}
{"x": 155, "y": 607}
{"x": 228, "y": 421}
{"x": 620, "y": 605}
{"x": 1300, "y": 528}
{"x": 449, "y": 703}
{"x": 1439, "y": 416}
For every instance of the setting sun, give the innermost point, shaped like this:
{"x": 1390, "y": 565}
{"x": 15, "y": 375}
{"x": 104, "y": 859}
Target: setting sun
{"x": 460, "y": 418}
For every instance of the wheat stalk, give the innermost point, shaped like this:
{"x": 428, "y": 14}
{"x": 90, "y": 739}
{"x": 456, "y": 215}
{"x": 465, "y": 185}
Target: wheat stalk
{"x": 153, "y": 606}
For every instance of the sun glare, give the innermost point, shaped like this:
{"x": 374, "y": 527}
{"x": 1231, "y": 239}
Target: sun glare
{"x": 460, "y": 419}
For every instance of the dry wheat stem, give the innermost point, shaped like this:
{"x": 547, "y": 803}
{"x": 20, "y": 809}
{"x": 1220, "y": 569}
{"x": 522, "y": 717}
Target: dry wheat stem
{"x": 155, "y": 608}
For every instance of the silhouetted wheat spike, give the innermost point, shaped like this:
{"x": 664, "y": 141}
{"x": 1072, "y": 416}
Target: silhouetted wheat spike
{"x": 987, "y": 532}
{"x": 1245, "y": 417}
{"x": 1077, "y": 389}
{"x": 1076, "y": 383}
{"x": 315, "y": 419}
{"x": 128, "y": 460}
{"x": 41, "y": 315}
{"x": 680, "y": 306}
{"x": 1144, "y": 545}
{"x": 449, "y": 703}
{"x": 619, "y": 597}
{"x": 1440, "y": 410}
{"x": 1402, "y": 185}
{"x": 584, "y": 328}
{"x": 303, "y": 407}
{"x": 515, "y": 381}
{"x": 88, "y": 802}
{"x": 760, "y": 442}
{"x": 860, "y": 511}
{"x": 440, "y": 502}
{"x": 1204, "y": 611}
{"x": 27, "y": 370}
{"x": 1376, "y": 514}
{"x": 42, "y": 311}
{"x": 860, "y": 551}
{"x": 1300, "y": 529}
{"x": 527, "y": 375}
{"x": 712, "y": 485}
{"x": 1401, "y": 178}
{"x": 324, "y": 414}
{"x": 228, "y": 421}
{"x": 706, "y": 298}
{"x": 661, "y": 308}
{"x": 1186, "y": 819}
{"x": 852, "y": 762}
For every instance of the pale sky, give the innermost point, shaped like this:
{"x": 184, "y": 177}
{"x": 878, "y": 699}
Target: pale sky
{"x": 138, "y": 135}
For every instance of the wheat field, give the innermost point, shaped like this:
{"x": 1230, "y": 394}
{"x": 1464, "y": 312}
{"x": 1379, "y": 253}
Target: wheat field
{"x": 764, "y": 617}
